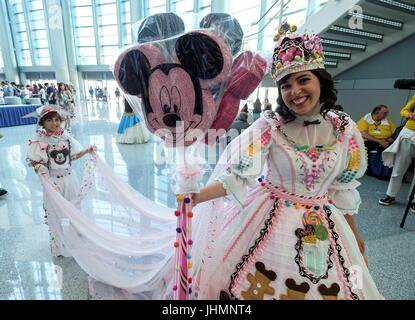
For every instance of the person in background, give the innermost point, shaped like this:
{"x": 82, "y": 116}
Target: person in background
{"x": 377, "y": 129}
{"x": 51, "y": 92}
{"x": 267, "y": 105}
{"x": 117, "y": 95}
{"x": 256, "y": 113}
{"x": 400, "y": 155}
{"x": 91, "y": 93}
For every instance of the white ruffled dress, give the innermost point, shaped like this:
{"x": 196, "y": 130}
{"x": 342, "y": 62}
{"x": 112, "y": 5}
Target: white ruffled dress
{"x": 284, "y": 236}
{"x": 55, "y": 152}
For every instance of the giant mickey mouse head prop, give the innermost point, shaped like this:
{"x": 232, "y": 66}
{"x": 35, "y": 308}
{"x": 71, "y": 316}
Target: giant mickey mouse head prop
{"x": 176, "y": 91}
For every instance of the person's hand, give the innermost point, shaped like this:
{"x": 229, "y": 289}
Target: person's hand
{"x": 91, "y": 149}
{"x": 41, "y": 170}
{"x": 384, "y": 143}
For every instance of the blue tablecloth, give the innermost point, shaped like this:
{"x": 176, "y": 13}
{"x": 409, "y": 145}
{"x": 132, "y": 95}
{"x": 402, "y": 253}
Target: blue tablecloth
{"x": 12, "y": 115}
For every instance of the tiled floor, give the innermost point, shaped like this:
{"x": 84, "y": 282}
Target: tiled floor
{"x": 27, "y": 270}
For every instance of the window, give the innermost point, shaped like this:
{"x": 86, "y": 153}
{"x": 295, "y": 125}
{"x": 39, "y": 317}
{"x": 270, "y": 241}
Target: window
{"x": 38, "y": 32}
{"x": 247, "y": 13}
{"x": 126, "y": 33}
{"x": 155, "y": 6}
{"x": 205, "y": 6}
{"x": 107, "y": 29}
{"x": 83, "y": 24}
{"x": 101, "y": 28}
{"x": 19, "y": 32}
{"x": 182, "y": 6}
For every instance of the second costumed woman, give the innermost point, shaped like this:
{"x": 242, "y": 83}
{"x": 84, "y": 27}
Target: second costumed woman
{"x": 290, "y": 234}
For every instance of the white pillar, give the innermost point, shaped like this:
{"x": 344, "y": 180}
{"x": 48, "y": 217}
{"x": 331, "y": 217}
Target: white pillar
{"x": 61, "y": 49}
{"x": 54, "y": 25}
{"x": 7, "y": 46}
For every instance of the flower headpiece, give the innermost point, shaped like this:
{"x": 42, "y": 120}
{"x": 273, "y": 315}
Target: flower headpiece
{"x": 294, "y": 53}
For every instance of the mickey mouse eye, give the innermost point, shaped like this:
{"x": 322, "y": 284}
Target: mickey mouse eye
{"x": 176, "y": 99}
{"x": 165, "y": 100}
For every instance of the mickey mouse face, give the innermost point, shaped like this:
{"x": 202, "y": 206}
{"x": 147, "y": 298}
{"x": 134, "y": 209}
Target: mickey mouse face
{"x": 176, "y": 96}
{"x": 60, "y": 156}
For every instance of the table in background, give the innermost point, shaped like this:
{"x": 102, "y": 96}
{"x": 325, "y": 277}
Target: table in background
{"x": 11, "y": 115}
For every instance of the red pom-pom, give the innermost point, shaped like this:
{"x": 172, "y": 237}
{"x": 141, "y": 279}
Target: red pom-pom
{"x": 190, "y": 214}
{"x": 177, "y": 213}
{"x": 176, "y": 244}
{"x": 190, "y": 280}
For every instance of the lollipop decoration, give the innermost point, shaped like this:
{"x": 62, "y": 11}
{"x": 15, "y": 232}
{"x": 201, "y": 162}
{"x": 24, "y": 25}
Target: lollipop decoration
{"x": 182, "y": 287}
{"x": 184, "y": 86}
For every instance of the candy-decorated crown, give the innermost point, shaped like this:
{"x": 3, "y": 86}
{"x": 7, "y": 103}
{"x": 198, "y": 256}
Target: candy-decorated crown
{"x": 294, "y": 53}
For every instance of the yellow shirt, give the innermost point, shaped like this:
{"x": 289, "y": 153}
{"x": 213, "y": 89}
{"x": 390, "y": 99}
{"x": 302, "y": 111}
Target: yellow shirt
{"x": 378, "y": 130}
{"x": 410, "y": 106}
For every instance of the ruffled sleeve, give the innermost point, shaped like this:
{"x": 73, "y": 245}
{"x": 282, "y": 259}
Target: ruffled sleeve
{"x": 243, "y": 175}
{"x": 343, "y": 191}
{"x": 36, "y": 152}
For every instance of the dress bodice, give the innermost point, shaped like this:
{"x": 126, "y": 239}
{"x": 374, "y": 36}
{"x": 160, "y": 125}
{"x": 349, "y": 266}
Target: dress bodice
{"x": 306, "y": 159}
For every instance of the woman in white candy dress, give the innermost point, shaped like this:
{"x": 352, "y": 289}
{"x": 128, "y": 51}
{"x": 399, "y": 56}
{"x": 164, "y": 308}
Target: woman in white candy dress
{"x": 289, "y": 234}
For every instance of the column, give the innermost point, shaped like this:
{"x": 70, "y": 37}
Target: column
{"x": 7, "y": 46}
{"x": 61, "y": 38}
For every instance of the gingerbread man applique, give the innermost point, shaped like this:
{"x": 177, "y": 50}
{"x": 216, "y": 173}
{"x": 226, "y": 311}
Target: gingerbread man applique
{"x": 260, "y": 283}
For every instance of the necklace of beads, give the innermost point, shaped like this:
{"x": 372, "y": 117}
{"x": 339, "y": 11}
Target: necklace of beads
{"x": 312, "y": 175}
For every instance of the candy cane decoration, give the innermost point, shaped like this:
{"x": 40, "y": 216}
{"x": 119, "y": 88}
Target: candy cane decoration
{"x": 182, "y": 281}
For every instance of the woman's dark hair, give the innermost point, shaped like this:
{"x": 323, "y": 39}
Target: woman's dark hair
{"x": 328, "y": 95}
{"x": 49, "y": 115}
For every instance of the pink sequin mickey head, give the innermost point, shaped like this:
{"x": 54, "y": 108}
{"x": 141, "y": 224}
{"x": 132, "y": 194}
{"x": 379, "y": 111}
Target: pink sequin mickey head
{"x": 176, "y": 92}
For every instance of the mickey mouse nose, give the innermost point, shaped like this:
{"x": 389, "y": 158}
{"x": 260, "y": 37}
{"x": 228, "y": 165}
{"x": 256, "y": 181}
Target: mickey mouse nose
{"x": 171, "y": 119}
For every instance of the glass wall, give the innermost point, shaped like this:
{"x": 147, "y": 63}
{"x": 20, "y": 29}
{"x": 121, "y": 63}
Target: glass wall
{"x": 248, "y": 14}
{"x": 38, "y": 32}
{"x": 19, "y": 31}
{"x": 126, "y": 32}
{"x": 83, "y": 24}
{"x": 155, "y": 6}
{"x": 101, "y": 28}
{"x": 108, "y": 34}
{"x": 30, "y": 35}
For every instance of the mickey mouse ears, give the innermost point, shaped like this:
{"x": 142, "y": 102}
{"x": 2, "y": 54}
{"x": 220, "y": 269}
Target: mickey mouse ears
{"x": 160, "y": 26}
{"x": 229, "y": 28}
